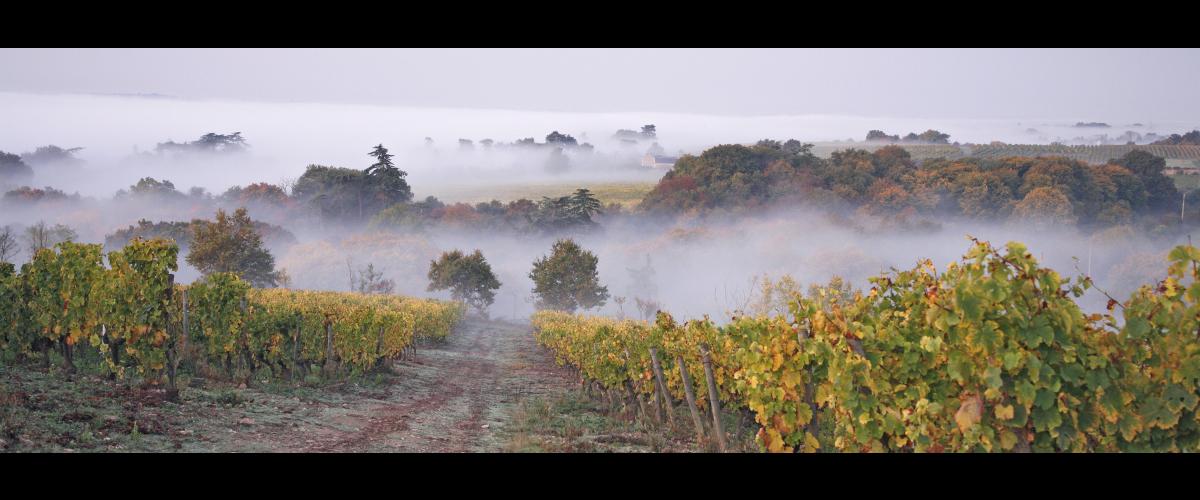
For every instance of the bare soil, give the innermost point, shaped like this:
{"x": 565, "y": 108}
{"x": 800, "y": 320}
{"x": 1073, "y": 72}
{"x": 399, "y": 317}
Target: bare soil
{"x": 488, "y": 388}
{"x": 453, "y": 397}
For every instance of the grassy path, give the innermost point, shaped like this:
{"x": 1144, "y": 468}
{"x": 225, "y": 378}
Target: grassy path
{"x": 488, "y": 388}
{"x": 452, "y": 397}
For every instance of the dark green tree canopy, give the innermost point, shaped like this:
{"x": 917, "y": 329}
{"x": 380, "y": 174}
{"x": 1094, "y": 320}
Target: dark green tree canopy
{"x": 207, "y": 143}
{"x": 929, "y": 137}
{"x": 565, "y": 213}
{"x": 561, "y": 139}
{"x": 386, "y": 184}
{"x": 519, "y": 216}
{"x": 12, "y": 169}
{"x": 178, "y": 232}
{"x": 1189, "y": 139}
{"x": 881, "y": 136}
{"x": 181, "y": 233}
{"x": 468, "y": 277}
{"x": 647, "y": 132}
{"x": 335, "y": 193}
{"x": 1161, "y": 193}
{"x": 221, "y": 142}
{"x": 583, "y": 205}
{"x": 732, "y": 175}
{"x": 797, "y": 148}
{"x": 232, "y": 245}
{"x": 567, "y": 279}
{"x": 383, "y": 160}
{"x": 791, "y": 147}
{"x": 52, "y": 155}
{"x": 348, "y": 194}
{"x": 149, "y": 187}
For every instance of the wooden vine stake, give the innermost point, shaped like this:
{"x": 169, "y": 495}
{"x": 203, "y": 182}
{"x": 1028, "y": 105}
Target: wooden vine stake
{"x": 814, "y": 423}
{"x": 172, "y": 347}
{"x": 247, "y": 357}
{"x": 295, "y": 350}
{"x": 329, "y": 368}
{"x": 633, "y": 401}
{"x": 713, "y": 398}
{"x": 690, "y": 394}
{"x": 379, "y": 360}
{"x": 633, "y": 395}
{"x": 656, "y": 400}
{"x": 186, "y": 331}
{"x": 664, "y": 396}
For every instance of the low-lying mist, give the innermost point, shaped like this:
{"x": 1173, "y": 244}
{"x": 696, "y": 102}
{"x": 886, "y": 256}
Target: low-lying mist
{"x": 700, "y": 265}
{"x": 285, "y": 137}
{"x": 709, "y": 267}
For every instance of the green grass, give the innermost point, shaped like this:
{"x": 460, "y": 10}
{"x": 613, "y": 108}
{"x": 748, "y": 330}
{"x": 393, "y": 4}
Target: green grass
{"x": 1186, "y": 182}
{"x": 51, "y": 411}
{"x": 42, "y": 412}
{"x": 575, "y": 422}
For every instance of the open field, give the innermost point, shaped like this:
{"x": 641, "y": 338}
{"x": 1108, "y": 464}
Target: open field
{"x": 1186, "y": 182}
{"x": 1175, "y": 155}
{"x": 626, "y": 194}
{"x": 918, "y": 151}
{"x": 1090, "y": 154}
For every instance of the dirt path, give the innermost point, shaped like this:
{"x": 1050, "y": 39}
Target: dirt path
{"x": 489, "y": 387}
{"x": 453, "y": 397}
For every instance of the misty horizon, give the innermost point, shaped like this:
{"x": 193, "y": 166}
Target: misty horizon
{"x": 118, "y": 114}
{"x": 576, "y": 250}
{"x": 284, "y": 138}
{"x": 1085, "y": 84}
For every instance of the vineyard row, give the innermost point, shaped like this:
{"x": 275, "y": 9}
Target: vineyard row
{"x": 1094, "y": 154}
{"x": 130, "y": 315}
{"x": 991, "y": 354}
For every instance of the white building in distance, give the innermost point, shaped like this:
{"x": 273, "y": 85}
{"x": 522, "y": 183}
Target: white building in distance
{"x": 658, "y": 161}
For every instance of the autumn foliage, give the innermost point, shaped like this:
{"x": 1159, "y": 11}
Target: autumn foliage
{"x": 888, "y": 182}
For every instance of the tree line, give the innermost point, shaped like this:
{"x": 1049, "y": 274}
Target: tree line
{"x": 888, "y": 182}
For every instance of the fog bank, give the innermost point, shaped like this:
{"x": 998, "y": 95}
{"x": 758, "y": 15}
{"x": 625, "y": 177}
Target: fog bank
{"x": 285, "y": 137}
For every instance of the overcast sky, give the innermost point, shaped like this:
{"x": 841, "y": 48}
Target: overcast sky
{"x": 1099, "y": 84}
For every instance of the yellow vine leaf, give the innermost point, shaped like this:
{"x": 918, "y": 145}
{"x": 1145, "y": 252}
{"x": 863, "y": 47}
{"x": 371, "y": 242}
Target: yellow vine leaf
{"x": 1004, "y": 412}
{"x": 969, "y": 412}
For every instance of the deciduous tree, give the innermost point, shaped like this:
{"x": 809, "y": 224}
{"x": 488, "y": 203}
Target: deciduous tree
{"x": 231, "y": 244}
{"x": 567, "y": 279}
{"x": 468, "y": 277}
